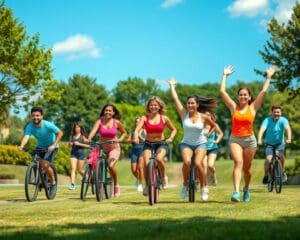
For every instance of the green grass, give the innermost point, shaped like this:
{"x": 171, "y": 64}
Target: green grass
{"x": 266, "y": 216}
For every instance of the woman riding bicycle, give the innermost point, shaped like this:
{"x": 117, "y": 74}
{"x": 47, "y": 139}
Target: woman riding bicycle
{"x": 108, "y": 126}
{"x": 154, "y": 123}
{"x": 194, "y": 140}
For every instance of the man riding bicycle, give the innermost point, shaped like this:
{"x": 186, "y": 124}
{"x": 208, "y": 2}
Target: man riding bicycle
{"x": 274, "y": 126}
{"x": 48, "y": 136}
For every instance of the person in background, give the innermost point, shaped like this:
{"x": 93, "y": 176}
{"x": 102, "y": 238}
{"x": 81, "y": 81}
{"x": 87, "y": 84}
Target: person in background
{"x": 108, "y": 126}
{"x": 77, "y": 143}
{"x": 242, "y": 141}
{"x": 212, "y": 151}
{"x": 274, "y": 127}
{"x": 137, "y": 163}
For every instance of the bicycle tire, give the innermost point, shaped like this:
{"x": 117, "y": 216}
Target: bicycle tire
{"x": 86, "y": 181}
{"x": 151, "y": 181}
{"x": 191, "y": 182}
{"x": 31, "y": 182}
{"x": 99, "y": 187}
{"x": 277, "y": 175}
{"x": 157, "y": 185}
{"x": 108, "y": 186}
{"x": 270, "y": 177}
{"x": 47, "y": 184}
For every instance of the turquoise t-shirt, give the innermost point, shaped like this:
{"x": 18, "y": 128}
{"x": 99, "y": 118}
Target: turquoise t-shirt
{"x": 210, "y": 141}
{"x": 274, "y": 129}
{"x": 45, "y": 135}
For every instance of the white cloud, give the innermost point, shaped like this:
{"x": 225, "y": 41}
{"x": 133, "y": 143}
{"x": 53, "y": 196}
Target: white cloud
{"x": 284, "y": 9}
{"x": 170, "y": 3}
{"x": 77, "y": 46}
{"x": 249, "y": 8}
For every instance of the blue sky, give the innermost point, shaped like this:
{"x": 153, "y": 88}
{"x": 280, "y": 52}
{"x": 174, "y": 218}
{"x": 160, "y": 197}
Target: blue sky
{"x": 191, "y": 40}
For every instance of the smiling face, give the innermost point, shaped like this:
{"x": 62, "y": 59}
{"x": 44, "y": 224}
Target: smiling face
{"x": 153, "y": 106}
{"x": 109, "y": 112}
{"x": 244, "y": 96}
{"x": 276, "y": 113}
{"x": 36, "y": 118}
{"x": 192, "y": 105}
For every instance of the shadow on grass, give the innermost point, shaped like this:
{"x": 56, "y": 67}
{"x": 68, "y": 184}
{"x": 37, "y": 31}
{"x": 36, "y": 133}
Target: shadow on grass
{"x": 185, "y": 228}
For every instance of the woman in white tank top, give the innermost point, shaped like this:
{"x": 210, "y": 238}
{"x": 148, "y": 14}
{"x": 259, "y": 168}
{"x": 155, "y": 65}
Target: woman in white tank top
{"x": 194, "y": 141}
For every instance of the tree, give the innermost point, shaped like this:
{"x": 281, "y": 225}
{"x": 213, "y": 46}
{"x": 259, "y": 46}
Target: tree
{"x": 135, "y": 91}
{"x": 82, "y": 101}
{"x": 25, "y": 68}
{"x": 283, "y": 50}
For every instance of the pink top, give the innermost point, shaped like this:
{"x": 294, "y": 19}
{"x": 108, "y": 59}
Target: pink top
{"x": 107, "y": 133}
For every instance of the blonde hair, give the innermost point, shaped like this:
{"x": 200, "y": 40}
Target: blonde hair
{"x": 161, "y": 104}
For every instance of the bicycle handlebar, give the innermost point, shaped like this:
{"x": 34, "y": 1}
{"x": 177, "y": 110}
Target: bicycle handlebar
{"x": 35, "y": 150}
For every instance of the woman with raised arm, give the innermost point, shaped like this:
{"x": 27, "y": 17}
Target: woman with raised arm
{"x": 154, "y": 123}
{"x": 242, "y": 141}
{"x": 194, "y": 140}
{"x": 108, "y": 126}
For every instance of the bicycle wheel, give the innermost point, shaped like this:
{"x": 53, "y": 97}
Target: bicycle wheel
{"x": 191, "y": 182}
{"x": 278, "y": 175}
{"x": 108, "y": 186}
{"x": 86, "y": 181}
{"x": 50, "y": 193}
{"x": 98, "y": 180}
{"x": 157, "y": 185}
{"x": 270, "y": 178}
{"x": 151, "y": 181}
{"x": 31, "y": 182}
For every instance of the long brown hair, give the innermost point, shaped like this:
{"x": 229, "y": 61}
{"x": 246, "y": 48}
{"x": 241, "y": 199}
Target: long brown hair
{"x": 204, "y": 104}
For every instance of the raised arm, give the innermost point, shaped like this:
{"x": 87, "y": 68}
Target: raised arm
{"x": 180, "y": 109}
{"x": 226, "y": 98}
{"x": 258, "y": 101}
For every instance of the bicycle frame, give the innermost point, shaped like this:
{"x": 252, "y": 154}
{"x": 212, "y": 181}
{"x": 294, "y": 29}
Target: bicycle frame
{"x": 192, "y": 182}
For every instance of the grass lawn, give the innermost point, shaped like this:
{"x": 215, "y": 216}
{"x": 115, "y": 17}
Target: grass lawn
{"x": 266, "y": 216}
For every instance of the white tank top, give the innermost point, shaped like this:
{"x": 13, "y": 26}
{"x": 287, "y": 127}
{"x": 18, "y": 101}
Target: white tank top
{"x": 193, "y": 132}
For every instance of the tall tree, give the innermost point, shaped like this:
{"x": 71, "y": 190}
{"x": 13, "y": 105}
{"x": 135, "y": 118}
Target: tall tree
{"x": 135, "y": 91}
{"x": 82, "y": 101}
{"x": 283, "y": 50}
{"x": 25, "y": 68}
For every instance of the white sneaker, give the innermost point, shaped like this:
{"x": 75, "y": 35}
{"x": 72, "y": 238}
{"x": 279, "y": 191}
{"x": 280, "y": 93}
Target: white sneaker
{"x": 183, "y": 192}
{"x": 204, "y": 194}
{"x": 284, "y": 177}
{"x": 145, "y": 191}
{"x": 139, "y": 188}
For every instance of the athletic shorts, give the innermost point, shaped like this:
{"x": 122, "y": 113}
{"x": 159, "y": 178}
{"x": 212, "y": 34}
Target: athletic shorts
{"x": 269, "y": 150}
{"x": 244, "y": 142}
{"x": 136, "y": 152}
{"x": 162, "y": 145}
{"x": 112, "y": 151}
{"x": 183, "y": 145}
{"x": 212, "y": 151}
{"x": 48, "y": 156}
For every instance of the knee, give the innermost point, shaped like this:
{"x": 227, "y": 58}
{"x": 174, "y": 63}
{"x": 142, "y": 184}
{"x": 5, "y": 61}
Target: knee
{"x": 238, "y": 164}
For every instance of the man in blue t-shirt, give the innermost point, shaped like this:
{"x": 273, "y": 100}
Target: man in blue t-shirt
{"x": 274, "y": 127}
{"x": 47, "y": 136}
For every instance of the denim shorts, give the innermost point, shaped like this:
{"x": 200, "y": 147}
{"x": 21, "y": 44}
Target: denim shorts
{"x": 162, "y": 145}
{"x": 48, "y": 156}
{"x": 212, "y": 151}
{"x": 269, "y": 150}
{"x": 136, "y": 152}
{"x": 244, "y": 142}
{"x": 80, "y": 155}
{"x": 183, "y": 145}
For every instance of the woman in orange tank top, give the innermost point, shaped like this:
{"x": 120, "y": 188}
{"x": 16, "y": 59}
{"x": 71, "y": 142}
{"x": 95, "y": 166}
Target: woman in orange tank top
{"x": 242, "y": 141}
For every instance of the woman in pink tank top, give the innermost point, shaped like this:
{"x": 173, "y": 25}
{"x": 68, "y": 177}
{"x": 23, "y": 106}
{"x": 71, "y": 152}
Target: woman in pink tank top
{"x": 154, "y": 123}
{"x": 108, "y": 127}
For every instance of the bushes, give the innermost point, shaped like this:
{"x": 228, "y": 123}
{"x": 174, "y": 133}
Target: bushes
{"x": 293, "y": 170}
{"x": 11, "y": 155}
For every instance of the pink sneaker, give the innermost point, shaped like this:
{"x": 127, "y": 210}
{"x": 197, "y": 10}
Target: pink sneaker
{"x": 117, "y": 191}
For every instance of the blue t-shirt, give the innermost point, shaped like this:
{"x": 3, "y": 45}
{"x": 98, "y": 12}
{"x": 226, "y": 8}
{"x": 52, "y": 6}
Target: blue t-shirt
{"x": 274, "y": 129}
{"x": 45, "y": 135}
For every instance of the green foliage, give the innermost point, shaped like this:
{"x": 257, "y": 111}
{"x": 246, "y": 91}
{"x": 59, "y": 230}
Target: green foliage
{"x": 283, "y": 50}
{"x": 135, "y": 91}
{"x": 295, "y": 169}
{"x": 25, "y": 68}
{"x": 82, "y": 101}
{"x": 7, "y": 176}
{"x": 15, "y": 131}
